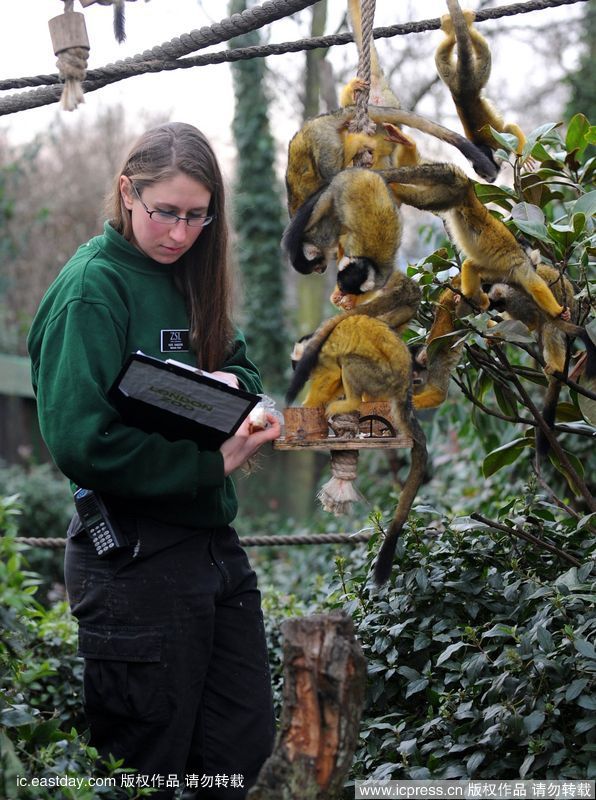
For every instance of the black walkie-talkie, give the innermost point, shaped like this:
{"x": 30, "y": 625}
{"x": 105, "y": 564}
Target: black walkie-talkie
{"x": 95, "y": 519}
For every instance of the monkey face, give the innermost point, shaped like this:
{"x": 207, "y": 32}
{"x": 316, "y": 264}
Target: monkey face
{"x": 356, "y": 275}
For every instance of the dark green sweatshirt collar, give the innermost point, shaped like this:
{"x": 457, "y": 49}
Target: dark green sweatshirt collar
{"x": 121, "y": 251}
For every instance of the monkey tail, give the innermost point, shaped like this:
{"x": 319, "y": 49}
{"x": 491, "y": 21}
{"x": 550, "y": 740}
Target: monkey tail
{"x": 549, "y": 410}
{"x": 293, "y": 236}
{"x": 481, "y": 163}
{"x": 553, "y": 389}
{"x": 462, "y": 37}
{"x": 119, "y": 29}
{"x": 310, "y": 356}
{"x": 407, "y": 496}
{"x": 577, "y": 330}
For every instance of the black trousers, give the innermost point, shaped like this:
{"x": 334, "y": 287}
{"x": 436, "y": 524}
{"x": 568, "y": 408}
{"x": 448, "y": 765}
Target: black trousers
{"x": 176, "y": 677}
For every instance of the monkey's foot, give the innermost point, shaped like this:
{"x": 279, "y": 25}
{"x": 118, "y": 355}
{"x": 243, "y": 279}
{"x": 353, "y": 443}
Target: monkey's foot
{"x": 565, "y": 314}
{"x": 394, "y": 134}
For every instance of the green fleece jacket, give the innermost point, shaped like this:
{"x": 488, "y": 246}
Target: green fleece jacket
{"x": 110, "y": 300}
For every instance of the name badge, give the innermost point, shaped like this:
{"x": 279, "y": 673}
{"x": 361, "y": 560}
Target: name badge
{"x": 175, "y": 341}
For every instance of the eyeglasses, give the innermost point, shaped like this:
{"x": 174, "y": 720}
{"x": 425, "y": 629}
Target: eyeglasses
{"x": 169, "y": 218}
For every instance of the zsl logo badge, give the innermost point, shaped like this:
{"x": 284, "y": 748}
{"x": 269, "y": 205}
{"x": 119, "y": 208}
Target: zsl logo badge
{"x": 174, "y": 341}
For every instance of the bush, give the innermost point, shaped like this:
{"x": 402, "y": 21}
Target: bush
{"x": 45, "y": 506}
{"x": 480, "y": 657}
{"x": 40, "y": 688}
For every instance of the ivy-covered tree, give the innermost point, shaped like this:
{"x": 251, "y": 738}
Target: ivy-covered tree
{"x": 258, "y": 216}
{"x": 583, "y": 86}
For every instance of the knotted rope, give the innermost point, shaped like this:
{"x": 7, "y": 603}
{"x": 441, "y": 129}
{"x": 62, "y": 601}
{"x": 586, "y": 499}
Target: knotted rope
{"x": 71, "y": 45}
{"x": 338, "y": 494}
{"x": 47, "y": 92}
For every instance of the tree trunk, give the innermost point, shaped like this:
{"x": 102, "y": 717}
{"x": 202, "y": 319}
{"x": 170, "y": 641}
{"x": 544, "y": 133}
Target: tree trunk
{"x": 324, "y": 685}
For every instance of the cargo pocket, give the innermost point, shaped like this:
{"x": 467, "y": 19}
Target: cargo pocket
{"x": 124, "y": 675}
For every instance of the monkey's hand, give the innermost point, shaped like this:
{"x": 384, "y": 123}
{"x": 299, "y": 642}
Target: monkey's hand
{"x": 565, "y": 315}
{"x": 446, "y": 24}
{"x": 422, "y": 358}
{"x": 344, "y": 301}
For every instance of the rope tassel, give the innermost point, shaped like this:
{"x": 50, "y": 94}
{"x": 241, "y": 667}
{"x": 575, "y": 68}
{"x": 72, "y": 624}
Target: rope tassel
{"x": 71, "y": 45}
{"x": 339, "y": 493}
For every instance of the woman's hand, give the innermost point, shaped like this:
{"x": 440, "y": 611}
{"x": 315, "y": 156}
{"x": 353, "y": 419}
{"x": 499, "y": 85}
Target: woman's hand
{"x": 239, "y": 448}
{"x": 226, "y": 377}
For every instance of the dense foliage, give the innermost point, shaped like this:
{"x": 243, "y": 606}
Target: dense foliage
{"x": 40, "y": 689}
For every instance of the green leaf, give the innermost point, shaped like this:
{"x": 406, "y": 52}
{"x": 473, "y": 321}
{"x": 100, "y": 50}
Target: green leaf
{"x": 585, "y": 648}
{"x": 586, "y": 204}
{"x": 475, "y": 761}
{"x": 503, "y": 456}
{"x": 527, "y": 763}
{"x": 528, "y": 212}
{"x": 448, "y": 652}
{"x": 14, "y": 716}
{"x": 507, "y": 141}
{"x": 576, "y": 133}
{"x": 545, "y": 640}
{"x": 575, "y": 688}
{"x": 408, "y": 746}
{"x": 498, "y": 631}
{"x": 535, "y": 229}
{"x": 416, "y": 686}
{"x": 588, "y": 702}
{"x": 576, "y": 464}
{"x": 585, "y": 725}
{"x": 512, "y": 330}
{"x": 534, "y": 721}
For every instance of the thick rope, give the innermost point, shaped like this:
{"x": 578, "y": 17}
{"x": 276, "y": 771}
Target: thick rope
{"x": 98, "y": 78}
{"x": 246, "y": 541}
{"x": 361, "y": 121}
{"x": 236, "y": 25}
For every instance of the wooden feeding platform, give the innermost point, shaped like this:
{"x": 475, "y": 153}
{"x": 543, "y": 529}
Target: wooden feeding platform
{"x": 308, "y": 429}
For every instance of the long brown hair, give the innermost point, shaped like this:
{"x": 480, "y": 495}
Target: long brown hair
{"x": 203, "y": 274}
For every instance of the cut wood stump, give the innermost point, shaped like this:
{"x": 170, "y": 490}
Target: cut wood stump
{"x": 324, "y": 686}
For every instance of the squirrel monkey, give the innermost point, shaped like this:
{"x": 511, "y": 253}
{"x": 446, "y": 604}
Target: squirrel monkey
{"x": 513, "y": 304}
{"x": 395, "y": 304}
{"x": 323, "y": 147}
{"x": 360, "y": 357}
{"x": 493, "y": 254}
{"x": 391, "y": 147}
{"x": 354, "y": 220}
{"x": 467, "y": 76}
{"x": 444, "y": 357}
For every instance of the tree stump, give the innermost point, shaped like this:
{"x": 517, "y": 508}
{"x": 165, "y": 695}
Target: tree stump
{"x": 324, "y": 686}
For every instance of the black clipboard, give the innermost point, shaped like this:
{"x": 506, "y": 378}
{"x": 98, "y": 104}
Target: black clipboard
{"x": 178, "y": 402}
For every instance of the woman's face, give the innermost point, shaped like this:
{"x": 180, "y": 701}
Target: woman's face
{"x": 179, "y": 195}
